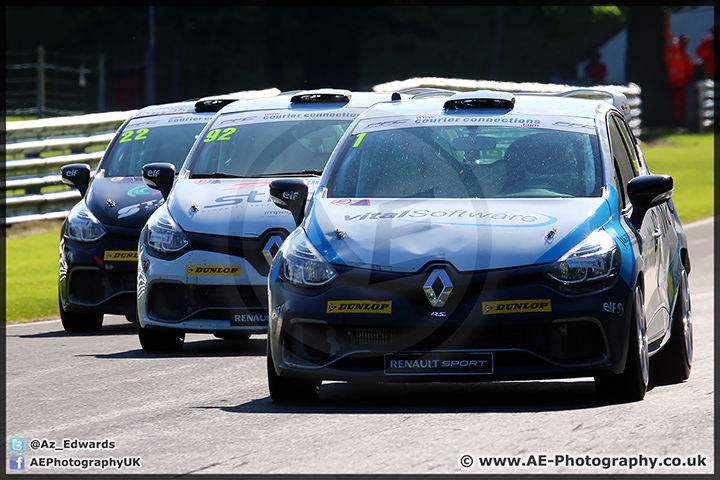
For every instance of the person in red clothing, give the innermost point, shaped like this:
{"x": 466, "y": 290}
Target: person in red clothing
{"x": 706, "y": 53}
{"x": 680, "y": 72}
{"x": 595, "y": 70}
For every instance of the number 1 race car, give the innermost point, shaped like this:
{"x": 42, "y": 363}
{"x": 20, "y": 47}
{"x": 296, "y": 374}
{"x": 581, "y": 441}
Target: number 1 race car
{"x": 478, "y": 237}
{"x": 98, "y": 239}
{"x": 205, "y": 254}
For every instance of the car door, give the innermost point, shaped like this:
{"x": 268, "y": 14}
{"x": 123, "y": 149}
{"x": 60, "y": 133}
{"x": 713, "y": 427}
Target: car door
{"x": 627, "y": 166}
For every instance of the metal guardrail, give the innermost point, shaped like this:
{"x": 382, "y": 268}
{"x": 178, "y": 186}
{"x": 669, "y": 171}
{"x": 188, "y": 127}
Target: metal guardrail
{"x": 36, "y": 149}
{"x": 706, "y": 105}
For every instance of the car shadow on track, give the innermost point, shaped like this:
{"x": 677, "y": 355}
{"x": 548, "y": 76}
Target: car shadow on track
{"x": 384, "y": 398}
{"x": 212, "y": 347}
{"x": 113, "y": 329}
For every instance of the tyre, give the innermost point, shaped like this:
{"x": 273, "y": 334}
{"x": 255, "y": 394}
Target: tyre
{"x": 672, "y": 364}
{"x": 159, "y": 340}
{"x": 80, "y": 322}
{"x": 131, "y": 317}
{"x": 290, "y": 390}
{"x": 631, "y": 385}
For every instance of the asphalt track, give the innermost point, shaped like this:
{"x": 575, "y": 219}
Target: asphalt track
{"x": 84, "y": 402}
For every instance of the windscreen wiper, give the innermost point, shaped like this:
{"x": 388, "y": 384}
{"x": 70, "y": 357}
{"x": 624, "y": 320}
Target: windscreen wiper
{"x": 216, "y": 175}
{"x": 287, "y": 174}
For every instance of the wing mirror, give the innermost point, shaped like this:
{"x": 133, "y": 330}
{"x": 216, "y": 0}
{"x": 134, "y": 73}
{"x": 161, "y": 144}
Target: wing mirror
{"x": 159, "y": 176}
{"x": 290, "y": 194}
{"x": 76, "y": 175}
{"x": 646, "y": 192}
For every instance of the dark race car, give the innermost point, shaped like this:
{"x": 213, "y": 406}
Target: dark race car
{"x": 479, "y": 237}
{"x": 98, "y": 239}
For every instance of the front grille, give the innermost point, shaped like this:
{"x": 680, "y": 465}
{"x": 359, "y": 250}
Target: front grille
{"x": 565, "y": 342}
{"x": 174, "y": 302}
{"x": 92, "y": 286}
{"x": 374, "y": 337}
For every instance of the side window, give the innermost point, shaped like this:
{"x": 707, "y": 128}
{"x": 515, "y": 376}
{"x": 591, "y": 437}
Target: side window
{"x": 629, "y": 141}
{"x": 625, "y": 160}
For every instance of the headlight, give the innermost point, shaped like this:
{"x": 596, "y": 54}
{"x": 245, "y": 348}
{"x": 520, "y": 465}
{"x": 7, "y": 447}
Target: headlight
{"x": 301, "y": 263}
{"x": 163, "y": 234}
{"x": 82, "y": 224}
{"x": 594, "y": 258}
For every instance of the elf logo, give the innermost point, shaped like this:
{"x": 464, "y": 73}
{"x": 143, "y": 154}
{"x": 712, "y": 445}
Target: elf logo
{"x": 516, "y": 306}
{"x": 212, "y": 270}
{"x": 611, "y": 307}
{"x": 359, "y": 306}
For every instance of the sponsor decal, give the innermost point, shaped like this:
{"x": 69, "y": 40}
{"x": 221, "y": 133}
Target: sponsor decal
{"x": 238, "y": 186}
{"x": 148, "y": 206}
{"x": 207, "y": 182}
{"x": 121, "y": 256}
{"x": 244, "y": 318}
{"x": 459, "y": 217}
{"x": 359, "y": 306}
{"x": 142, "y": 190}
{"x": 348, "y": 201}
{"x": 516, "y": 306}
{"x": 164, "y": 111}
{"x": 212, "y": 270}
{"x": 121, "y": 179}
{"x": 451, "y": 363}
{"x": 278, "y": 312}
{"x": 612, "y": 307}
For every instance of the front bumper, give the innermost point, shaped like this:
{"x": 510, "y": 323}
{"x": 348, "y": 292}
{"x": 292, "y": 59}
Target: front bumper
{"x": 201, "y": 292}
{"x": 99, "y": 277}
{"x": 511, "y": 324}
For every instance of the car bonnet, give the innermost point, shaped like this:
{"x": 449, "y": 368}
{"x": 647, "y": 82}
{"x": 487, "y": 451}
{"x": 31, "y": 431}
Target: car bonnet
{"x": 473, "y": 235}
{"x": 231, "y": 207}
{"x": 122, "y": 201}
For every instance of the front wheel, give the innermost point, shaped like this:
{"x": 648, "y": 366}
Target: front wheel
{"x": 160, "y": 340}
{"x": 290, "y": 390}
{"x": 672, "y": 364}
{"x": 631, "y": 385}
{"x": 80, "y": 322}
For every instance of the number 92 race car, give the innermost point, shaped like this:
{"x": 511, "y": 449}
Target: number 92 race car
{"x": 478, "y": 237}
{"x": 205, "y": 254}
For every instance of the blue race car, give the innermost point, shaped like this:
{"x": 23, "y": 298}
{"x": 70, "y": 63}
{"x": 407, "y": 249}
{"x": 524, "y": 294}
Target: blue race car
{"x": 483, "y": 236}
{"x": 204, "y": 256}
{"x": 98, "y": 239}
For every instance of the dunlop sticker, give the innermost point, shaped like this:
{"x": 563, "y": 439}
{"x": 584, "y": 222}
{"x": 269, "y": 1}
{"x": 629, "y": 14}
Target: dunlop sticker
{"x": 212, "y": 270}
{"x": 121, "y": 256}
{"x": 516, "y": 306}
{"x": 359, "y": 306}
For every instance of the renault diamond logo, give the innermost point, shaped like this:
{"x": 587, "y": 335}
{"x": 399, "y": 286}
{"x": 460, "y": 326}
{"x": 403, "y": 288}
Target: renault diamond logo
{"x": 271, "y": 248}
{"x": 438, "y": 287}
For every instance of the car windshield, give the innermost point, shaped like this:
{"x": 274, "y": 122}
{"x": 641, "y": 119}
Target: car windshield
{"x": 165, "y": 138}
{"x": 466, "y": 161}
{"x": 252, "y": 144}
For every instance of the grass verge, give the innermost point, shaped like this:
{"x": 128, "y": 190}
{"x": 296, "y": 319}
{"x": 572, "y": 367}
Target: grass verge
{"x": 31, "y": 277}
{"x": 689, "y": 159}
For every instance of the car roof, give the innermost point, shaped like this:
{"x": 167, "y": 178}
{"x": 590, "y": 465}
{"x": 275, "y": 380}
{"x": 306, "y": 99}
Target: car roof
{"x": 210, "y": 104}
{"x": 577, "y": 103}
{"x": 318, "y": 98}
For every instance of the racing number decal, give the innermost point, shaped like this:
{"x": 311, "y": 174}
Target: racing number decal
{"x": 139, "y": 135}
{"x": 215, "y": 134}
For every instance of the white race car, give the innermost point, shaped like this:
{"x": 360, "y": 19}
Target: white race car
{"x": 204, "y": 256}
